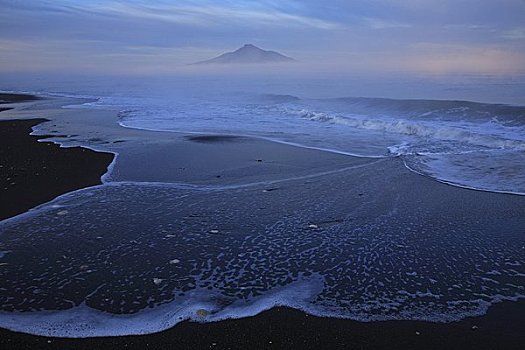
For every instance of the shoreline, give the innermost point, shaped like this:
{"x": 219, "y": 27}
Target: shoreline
{"x": 284, "y": 327}
{"x": 37, "y": 172}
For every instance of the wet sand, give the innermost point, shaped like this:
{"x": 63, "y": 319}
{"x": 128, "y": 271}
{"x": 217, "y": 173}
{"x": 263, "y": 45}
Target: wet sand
{"x": 15, "y": 98}
{"x": 502, "y": 328}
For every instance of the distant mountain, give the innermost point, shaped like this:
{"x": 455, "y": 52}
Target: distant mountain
{"x": 249, "y": 54}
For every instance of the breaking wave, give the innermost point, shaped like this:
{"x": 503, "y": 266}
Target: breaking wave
{"x": 491, "y": 135}
{"x": 479, "y": 146}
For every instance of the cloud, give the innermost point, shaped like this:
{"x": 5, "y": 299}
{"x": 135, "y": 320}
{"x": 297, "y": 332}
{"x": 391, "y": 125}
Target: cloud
{"x": 93, "y": 56}
{"x": 207, "y": 14}
{"x": 514, "y": 34}
{"x": 378, "y": 23}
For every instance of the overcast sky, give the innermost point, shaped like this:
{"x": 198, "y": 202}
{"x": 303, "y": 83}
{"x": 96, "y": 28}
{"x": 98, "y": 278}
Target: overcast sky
{"x": 141, "y": 36}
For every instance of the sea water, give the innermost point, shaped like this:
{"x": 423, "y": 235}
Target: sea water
{"x": 370, "y": 243}
{"x": 430, "y": 122}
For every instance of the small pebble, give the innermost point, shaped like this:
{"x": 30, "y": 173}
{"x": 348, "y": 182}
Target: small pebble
{"x": 202, "y": 313}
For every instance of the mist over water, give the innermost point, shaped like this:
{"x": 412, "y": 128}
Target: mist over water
{"x": 420, "y": 117}
{"x": 424, "y": 119}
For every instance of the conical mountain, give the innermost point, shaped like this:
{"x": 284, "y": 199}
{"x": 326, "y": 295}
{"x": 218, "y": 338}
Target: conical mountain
{"x": 249, "y": 54}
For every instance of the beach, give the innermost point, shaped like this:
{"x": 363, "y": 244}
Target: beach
{"x": 266, "y": 178}
{"x": 35, "y": 173}
{"x": 279, "y": 328}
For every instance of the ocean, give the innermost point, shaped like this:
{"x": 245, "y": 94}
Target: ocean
{"x": 464, "y": 130}
{"x": 375, "y": 247}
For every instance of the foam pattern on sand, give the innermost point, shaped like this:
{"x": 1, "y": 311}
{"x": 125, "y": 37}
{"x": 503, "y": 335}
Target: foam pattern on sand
{"x": 127, "y": 258}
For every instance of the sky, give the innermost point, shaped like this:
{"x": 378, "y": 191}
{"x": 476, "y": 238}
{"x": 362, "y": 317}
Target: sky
{"x": 148, "y": 36}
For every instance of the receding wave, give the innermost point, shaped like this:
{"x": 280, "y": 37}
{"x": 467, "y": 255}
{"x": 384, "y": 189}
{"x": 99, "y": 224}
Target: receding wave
{"x": 347, "y": 245}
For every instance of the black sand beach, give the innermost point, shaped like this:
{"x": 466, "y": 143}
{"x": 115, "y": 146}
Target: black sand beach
{"x": 283, "y": 328}
{"x": 36, "y": 172}
{"x": 14, "y": 98}
{"x": 503, "y": 327}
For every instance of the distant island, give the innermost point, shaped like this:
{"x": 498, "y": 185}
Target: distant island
{"x": 249, "y": 54}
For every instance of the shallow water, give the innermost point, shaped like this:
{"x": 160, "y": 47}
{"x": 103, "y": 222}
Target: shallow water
{"x": 357, "y": 244}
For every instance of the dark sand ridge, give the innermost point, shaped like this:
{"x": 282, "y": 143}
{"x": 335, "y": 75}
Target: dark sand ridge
{"x": 501, "y": 328}
{"x": 15, "y": 98}
{"x": 8, "y": 98}
{"x": 34, "y": 173}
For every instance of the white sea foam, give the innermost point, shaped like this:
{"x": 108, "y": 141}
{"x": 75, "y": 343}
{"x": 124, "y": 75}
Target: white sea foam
{"x": 199, "y": 306}
{"x": 490, "y": 136}
{"x": 82, "y": 321}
